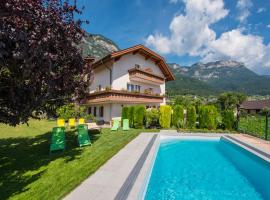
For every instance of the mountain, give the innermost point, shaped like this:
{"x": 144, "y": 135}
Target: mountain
{"x": 184, "y": 84}
{"x": 219, "y": 76}
{"x": 97, "y": 46}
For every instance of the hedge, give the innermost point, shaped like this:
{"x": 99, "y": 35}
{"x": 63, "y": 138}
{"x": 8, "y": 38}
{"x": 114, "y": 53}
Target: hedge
{"x": 131, "y": 116}
{"x": 165, "y": 116}
{"x": 152, "y": 117}
{"x": 178, "y": 116}
{"x": 138, "y": 116}
{"x": 228, "y": 119}
{"x": 125, "y": 112}
{"x": 191, "y": 117}
{"x": 208, "y": 117}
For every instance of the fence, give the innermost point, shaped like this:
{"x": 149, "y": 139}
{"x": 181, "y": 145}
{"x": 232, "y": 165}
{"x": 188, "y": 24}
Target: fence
{"x": 257, "y": 126}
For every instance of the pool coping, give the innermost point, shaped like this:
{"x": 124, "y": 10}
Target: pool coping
{"x": 127, "y": 173}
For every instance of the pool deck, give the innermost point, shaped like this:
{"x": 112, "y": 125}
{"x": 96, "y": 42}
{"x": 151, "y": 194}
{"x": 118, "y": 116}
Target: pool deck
{"x": 123, "y": 176}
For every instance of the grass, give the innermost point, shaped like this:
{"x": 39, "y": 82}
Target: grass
{"x": 27, "y": 171}
{"x": 253, "y": 125}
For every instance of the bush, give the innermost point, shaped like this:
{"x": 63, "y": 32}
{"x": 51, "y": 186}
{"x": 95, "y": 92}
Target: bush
{"x": 178, "y": 116}
{"x": 208, "y": 117}
{"x": 125, "y": 111}
{"x": 66, "y": 112}
{"x": 131, "y": 116}
{"x": 138, "y": 116}
{"x": 165, "y": 116}
{"x": 152, "y": 117}
{"x": 191, "y": 117}
{"x": 228, "y": 119}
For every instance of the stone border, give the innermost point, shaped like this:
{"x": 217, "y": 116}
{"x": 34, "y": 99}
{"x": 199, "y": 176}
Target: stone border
{"x": 124, "y": 191}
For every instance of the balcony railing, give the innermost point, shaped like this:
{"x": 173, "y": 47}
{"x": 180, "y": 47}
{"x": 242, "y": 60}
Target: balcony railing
{"x": 140, "y": 75}
{"x": 121, "y": 96}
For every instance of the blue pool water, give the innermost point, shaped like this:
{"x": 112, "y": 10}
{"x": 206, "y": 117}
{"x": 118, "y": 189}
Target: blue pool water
{"x": 207, "y": 169}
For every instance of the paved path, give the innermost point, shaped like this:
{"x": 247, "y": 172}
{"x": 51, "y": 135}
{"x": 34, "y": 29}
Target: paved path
{"x": 106, "y": 182}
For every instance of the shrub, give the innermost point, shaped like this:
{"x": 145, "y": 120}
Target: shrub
{"x": 125, "y": 111}
{"x": 228, "y": 119}
{"x": 208, "y": 117}
{"x": 131, "y": 116}
{"x": 66, "y": 112}
{"x": 191, "y": 117}
{"x": 178, "y": 116}
{"x": 152, "y": 117}
{"x": 138, "y": 116}
{"x": 165, "y": 116}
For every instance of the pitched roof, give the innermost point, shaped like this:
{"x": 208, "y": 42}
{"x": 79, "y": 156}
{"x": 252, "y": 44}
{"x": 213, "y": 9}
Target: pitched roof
{"x": 256, "y": 104}
{"x": 147, "y": 53}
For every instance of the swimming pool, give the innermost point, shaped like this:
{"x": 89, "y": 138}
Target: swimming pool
{"x": 207, "y": 169}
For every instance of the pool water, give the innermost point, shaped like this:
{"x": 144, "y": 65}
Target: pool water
{"x": 207, "y": 169}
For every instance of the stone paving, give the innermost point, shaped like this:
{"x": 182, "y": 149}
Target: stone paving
{"x": 112, "y": 180}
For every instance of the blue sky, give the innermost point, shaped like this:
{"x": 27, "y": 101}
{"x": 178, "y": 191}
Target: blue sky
{"x": 187, "y": 31}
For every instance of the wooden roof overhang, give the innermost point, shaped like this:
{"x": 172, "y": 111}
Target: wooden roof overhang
{"x": 144, "y": 51}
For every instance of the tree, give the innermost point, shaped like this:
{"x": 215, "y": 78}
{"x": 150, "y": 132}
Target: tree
{"x": 41, "y": 66}
{"x": 191, "y": 116}
{"x": 230, "y": 100}
{"x": 178, "y": 116}
{"x": 165, "y": 116}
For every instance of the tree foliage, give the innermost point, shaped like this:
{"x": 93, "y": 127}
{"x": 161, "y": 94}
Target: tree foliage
{"x": 138, "y": 116}
{"x": 178, "y": 116}
{"x": 230, "y": 100}
{"x": 165, "y": 116}
{"x": 41, "y": 66}
{"x": 67, "y": 111}
{"x": 208, "y": 117}
{"x": 191, "y": 116}
{"x": 228, "y": 119}
{"x": 152, "y": 117}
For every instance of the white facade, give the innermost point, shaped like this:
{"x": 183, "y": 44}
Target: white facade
{"x": 114, "y": 75}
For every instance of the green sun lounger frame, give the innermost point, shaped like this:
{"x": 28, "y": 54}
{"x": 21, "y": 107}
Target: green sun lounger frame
{"x": 115, "y": 125}
{"x": 83, "y": 137}
{"x": 125, "y": 124}
{"x": 58, "y": 139}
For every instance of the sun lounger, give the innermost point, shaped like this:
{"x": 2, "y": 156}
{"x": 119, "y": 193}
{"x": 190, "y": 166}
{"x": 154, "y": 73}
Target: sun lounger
{"x": 58, "y": 139}
{"x": 125, "y": 124}
{"x": 115, "y": 125}
{"x": 71, "y": 123}
{"x": 81, "y": 121}
{"x": 60, "y": 122}
{"x": 83, "y": 137}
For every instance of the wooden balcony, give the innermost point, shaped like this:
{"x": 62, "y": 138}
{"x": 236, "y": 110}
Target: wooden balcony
{"x": 119, "y": 96}
{"x": 143, "y": 76}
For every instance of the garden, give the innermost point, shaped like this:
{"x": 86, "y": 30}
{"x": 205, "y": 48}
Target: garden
{"x": 28, "y": 171}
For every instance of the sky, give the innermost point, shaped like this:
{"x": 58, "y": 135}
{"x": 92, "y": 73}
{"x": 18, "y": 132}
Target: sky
{"x": 187, "y": 31}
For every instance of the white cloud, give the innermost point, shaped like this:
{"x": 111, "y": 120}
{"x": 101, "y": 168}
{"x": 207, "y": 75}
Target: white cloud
{"x": 243, "y": 7}
{"x": 260, "y": 10}
{"x": 191, "y": 34}
{"x": 268, "y": 26}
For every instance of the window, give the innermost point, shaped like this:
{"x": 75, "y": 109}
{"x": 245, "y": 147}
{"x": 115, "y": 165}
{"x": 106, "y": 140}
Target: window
{"x": 99, "y": 87}
{"x": 95, "y": 111}
{"x": 101, "y": 110}
{"x": 89, "y": 110}
{"x": 133, "y": 88}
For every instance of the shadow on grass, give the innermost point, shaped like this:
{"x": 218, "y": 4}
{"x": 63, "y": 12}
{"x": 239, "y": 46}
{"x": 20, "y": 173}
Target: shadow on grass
{"x": 27, "y": 154}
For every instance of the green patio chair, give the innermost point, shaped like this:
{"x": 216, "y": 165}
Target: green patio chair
{"x": 83, "y": 137}
{"x": 58, "y": 139}
{"x": 115, "y": 125}
{"x": 125, "y": 124}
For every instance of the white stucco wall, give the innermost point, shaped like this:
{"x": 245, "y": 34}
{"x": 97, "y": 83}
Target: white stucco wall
{"x": 101, "y": 76}
{"x": 120, "y": 74}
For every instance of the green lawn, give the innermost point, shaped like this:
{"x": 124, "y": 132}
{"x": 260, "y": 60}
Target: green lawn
{"x": 27, "y": 171}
